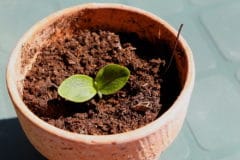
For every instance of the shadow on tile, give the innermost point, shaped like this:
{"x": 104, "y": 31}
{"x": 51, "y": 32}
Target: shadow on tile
{"x": 13, "y": 142}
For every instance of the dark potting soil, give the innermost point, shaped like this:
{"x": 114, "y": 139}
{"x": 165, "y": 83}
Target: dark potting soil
{"x": 143, "y": 99}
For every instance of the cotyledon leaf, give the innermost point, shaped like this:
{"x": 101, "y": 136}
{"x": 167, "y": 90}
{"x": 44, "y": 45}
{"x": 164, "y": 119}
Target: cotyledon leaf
{"x": 77, "y": 88}
{"x": 111, "y": 78}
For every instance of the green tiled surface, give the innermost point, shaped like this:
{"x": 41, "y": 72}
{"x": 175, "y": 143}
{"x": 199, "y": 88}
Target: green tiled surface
{"x": 212, "y": 130}
{"x": 228, "y": 40}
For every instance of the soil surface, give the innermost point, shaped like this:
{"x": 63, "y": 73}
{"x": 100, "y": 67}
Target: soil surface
{"x": 140, "y": 102}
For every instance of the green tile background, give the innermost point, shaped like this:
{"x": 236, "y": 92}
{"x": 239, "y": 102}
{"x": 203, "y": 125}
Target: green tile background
{"x": 211, "y": 131}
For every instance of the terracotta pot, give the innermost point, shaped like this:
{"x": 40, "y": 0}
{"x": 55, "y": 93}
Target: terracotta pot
{"x": 145, "y": 143}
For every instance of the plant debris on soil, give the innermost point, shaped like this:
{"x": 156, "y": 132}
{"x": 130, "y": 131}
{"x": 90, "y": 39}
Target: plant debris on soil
{"x": 140, "y": 102}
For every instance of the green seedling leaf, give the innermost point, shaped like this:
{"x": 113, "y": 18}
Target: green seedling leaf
{"x": 111, "y": 78}
{"x": 80, "y": 88}
{"x": 77, "y": 88}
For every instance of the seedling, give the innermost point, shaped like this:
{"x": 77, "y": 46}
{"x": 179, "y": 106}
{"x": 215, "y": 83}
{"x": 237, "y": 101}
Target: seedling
{"x": 81, "y": 88}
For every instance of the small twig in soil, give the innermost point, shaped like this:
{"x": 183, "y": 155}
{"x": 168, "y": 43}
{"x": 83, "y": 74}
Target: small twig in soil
{"x": 142, "y": 106}
{"x": 174, "y": 48}
{"x": 145, "y": 84}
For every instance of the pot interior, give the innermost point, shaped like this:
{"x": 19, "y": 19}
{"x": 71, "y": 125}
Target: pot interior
{"x": 113, "y": 19}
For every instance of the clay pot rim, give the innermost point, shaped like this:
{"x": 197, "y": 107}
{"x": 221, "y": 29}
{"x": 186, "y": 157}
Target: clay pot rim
{"x": 98, "y": 139}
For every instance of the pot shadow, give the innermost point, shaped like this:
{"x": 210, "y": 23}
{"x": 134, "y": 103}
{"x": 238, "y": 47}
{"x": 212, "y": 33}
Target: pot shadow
{"x": 13, "y": 142}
